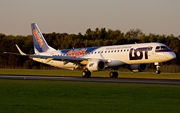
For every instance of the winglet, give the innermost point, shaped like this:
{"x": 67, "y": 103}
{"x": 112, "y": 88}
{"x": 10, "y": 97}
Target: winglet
{"x": 22, "y": 53}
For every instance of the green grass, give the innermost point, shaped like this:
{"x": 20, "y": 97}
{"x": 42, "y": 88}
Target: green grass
{"x": 43, "y": 96}
{"x": 94, "y": 74}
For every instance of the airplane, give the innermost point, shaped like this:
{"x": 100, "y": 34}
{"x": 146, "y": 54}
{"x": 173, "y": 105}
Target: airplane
{"x": 134, "y": 56}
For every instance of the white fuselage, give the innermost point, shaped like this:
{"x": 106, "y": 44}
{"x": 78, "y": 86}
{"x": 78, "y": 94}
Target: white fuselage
{"x": 116, "y": 55}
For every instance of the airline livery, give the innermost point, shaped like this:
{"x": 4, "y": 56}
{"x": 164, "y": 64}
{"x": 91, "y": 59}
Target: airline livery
{"x": 90, "y": 59}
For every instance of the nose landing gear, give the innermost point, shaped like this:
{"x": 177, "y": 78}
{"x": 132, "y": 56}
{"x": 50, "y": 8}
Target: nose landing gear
{"x": 158, "y": 71}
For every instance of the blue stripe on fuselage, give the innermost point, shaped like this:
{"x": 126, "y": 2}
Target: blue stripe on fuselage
{"x": 87, "y": 50}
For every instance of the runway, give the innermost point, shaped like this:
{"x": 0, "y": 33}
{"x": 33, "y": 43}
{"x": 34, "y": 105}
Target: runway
{"x": 93, "y": 79}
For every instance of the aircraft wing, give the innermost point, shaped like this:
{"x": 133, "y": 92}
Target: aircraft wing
{"x": 12, "y": 53}
{"x": 58, "y": 57}
{"x": 69, "y": 58}
{"x": 46, "y": 57}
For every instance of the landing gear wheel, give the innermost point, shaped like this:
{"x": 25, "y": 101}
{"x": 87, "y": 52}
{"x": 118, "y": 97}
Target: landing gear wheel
{"x": 113, "y": 74}
{"x": 86, "y": 74}
{"x": 158, "y": 71}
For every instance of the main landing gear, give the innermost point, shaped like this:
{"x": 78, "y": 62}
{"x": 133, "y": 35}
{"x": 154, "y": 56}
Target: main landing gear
{"x": 86, "y": 73}
{"x": 158, "y": 71}
{"x": 113, "y": 74}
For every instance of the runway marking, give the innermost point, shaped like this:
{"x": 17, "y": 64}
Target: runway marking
{"x": 93, "y": 79}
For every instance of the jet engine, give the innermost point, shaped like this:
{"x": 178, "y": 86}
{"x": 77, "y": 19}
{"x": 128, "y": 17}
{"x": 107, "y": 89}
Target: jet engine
{"x": 96, "y": 65}
{"x": 137, "y": 67}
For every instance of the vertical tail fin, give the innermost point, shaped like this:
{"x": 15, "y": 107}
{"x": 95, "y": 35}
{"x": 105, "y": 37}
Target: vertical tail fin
{"x": 40, "y": 44}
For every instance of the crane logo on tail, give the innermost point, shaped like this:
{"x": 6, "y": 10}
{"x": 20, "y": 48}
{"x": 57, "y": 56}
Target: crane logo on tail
{"x": 38, "y": 39}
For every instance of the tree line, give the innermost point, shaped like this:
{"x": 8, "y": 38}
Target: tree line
{"x": 97, "y": 37}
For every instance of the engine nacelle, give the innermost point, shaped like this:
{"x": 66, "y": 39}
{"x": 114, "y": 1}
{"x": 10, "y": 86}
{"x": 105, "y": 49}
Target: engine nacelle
{"x": 137, "y": 67}
{"x": 96, "y": 65}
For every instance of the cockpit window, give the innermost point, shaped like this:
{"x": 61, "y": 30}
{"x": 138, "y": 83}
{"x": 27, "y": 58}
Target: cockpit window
{"x": 158, "y": 47}
{"x": 162, "y": 49}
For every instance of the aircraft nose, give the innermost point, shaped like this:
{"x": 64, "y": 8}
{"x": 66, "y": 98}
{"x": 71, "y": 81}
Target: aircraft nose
{"x": 172, "y": 55}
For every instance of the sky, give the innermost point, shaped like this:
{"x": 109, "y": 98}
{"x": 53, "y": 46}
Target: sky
{"x": 76, "y": 16}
